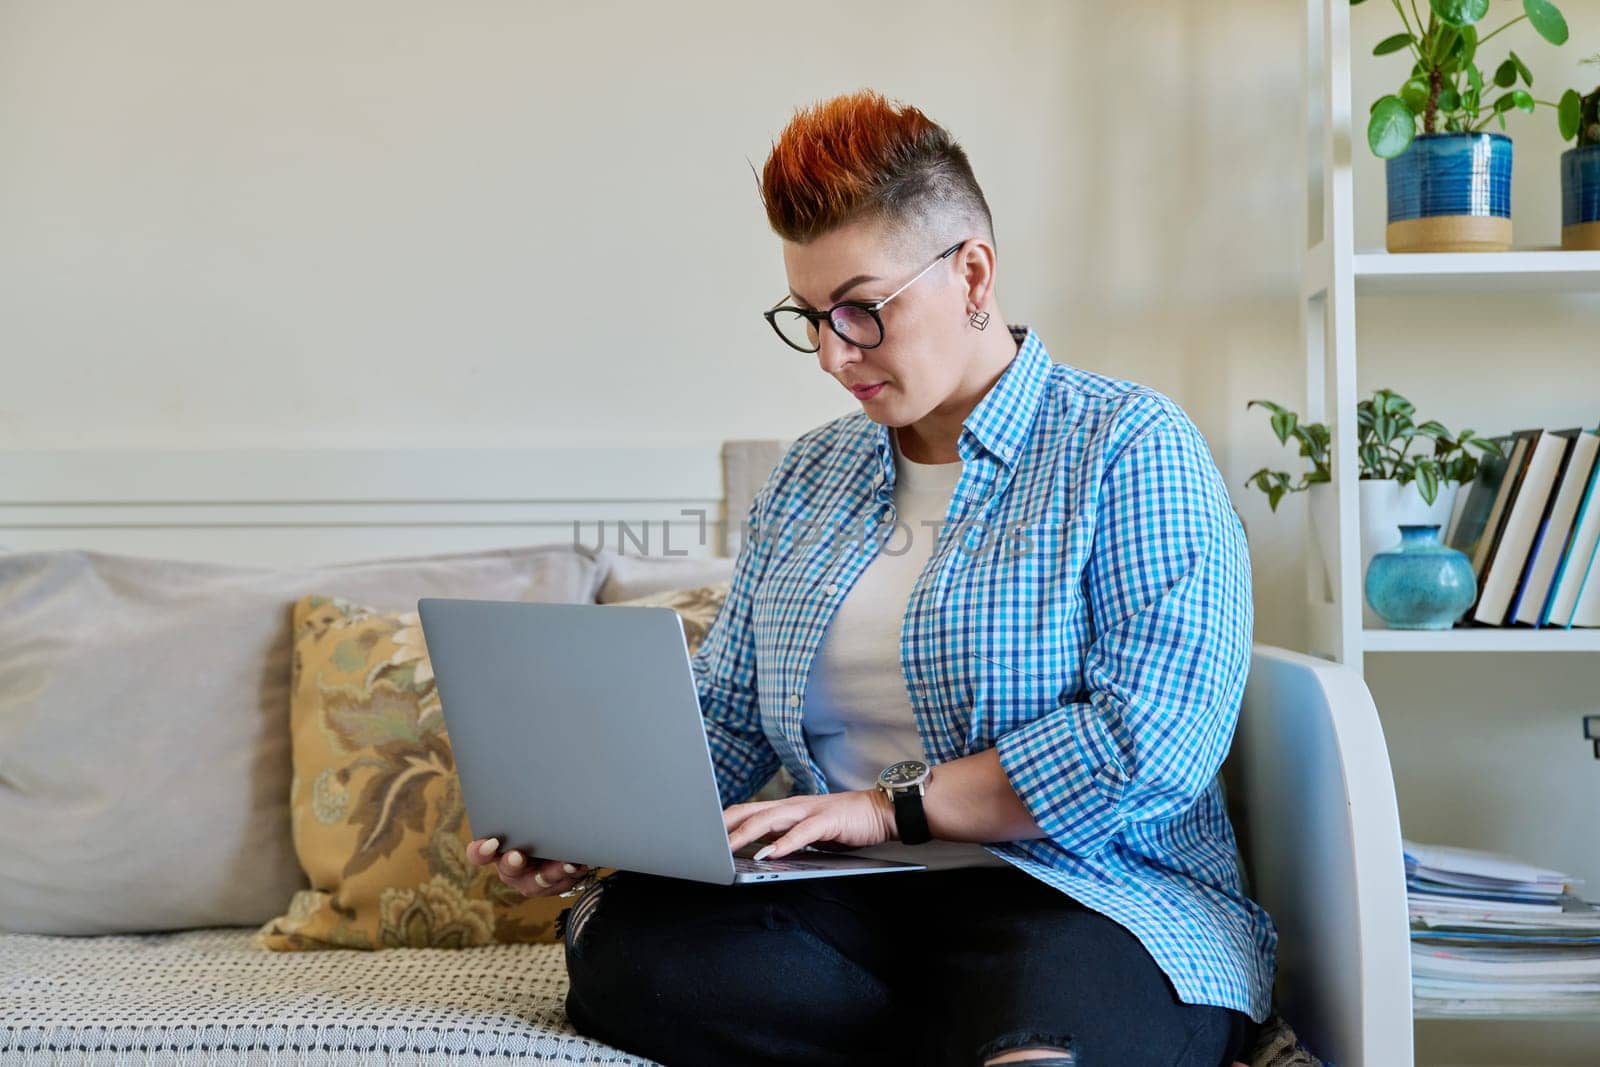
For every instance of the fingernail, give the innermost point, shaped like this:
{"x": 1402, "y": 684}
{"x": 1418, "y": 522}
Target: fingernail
{"x": 514, "y": 859}
{"x": 490, "y": 844}
{"x": 764, "y": 853}
{"x": 569, "y": 868}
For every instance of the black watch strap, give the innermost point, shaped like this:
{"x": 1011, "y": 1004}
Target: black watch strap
{"x": 909, "y": 818}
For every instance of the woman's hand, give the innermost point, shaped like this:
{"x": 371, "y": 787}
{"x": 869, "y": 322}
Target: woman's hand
{"x": 530, "y": 876}
{"x": 857, "y": 818}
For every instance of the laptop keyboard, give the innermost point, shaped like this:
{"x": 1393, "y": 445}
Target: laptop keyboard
{"x": 744, "y": 863}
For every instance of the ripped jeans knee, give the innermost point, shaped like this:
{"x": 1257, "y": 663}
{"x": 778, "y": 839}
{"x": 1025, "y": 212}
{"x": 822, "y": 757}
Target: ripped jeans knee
{"x": 1018, "y": 1040}
{"x": 571, "y": 921}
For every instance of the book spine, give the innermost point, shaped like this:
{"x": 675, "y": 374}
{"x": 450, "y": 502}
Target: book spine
{"x": 1586, "y": 612}
{"x": 1574, "y": 489}
{"x": 1499, "y": 518}
{"x": 1531, "y": 569}
{"x": 1574, "y": 565}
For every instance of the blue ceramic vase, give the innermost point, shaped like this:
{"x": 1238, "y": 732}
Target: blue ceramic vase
{"x": 1450, "y": 192}
{"x": 1580, "y": 198}
{"x": 1421, "y": 584}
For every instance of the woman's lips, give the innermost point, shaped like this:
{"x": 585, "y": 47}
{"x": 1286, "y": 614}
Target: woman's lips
{"x": 867, "y": 392}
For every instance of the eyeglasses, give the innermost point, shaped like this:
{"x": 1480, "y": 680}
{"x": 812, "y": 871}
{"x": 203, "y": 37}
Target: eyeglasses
{"x": 856, "y": 321}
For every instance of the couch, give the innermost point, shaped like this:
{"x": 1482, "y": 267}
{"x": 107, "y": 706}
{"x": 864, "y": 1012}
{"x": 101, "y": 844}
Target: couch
{"x": 146, "y": 843}
{"x": 144, "y": 776}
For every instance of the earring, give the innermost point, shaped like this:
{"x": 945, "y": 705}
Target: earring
{"x": 980, "y": 319}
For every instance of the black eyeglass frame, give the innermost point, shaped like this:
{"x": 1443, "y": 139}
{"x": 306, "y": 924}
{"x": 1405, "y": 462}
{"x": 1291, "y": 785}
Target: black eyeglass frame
{"x": 871, "y": 307}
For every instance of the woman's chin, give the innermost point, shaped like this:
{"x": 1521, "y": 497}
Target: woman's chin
{"x": 879, "y": 412}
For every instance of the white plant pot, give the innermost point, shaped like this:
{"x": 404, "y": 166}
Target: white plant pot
{"x": 1384, "y": 506}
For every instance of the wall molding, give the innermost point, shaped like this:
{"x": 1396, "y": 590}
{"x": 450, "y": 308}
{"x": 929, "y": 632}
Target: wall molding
{"x": 298, "y": 506}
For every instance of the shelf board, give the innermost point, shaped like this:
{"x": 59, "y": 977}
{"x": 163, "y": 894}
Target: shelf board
{"x": 1522, "y": 270}
{"x": 1506, "y": 1016}
{"x": 1481, "y": 639}
{"x": 1550, "y": 1015}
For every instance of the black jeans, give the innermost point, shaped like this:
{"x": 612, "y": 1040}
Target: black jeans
{"x": 948, "y": 967}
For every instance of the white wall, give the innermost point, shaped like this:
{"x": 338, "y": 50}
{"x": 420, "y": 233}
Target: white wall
{"x": 517, "y": 223}
{"x": 494, "y": 222}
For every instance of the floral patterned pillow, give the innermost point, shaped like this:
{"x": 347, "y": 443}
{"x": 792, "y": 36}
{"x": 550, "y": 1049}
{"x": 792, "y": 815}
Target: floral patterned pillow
{"x": 375, "y": 804}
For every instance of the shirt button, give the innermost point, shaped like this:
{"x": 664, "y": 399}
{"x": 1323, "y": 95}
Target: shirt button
{"x": 794, "y": 700}
{"x": 832, "y": 589}
{"x": 888, "y": 513}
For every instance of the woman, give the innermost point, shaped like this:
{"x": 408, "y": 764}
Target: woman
{"x": 1027, "y": 576}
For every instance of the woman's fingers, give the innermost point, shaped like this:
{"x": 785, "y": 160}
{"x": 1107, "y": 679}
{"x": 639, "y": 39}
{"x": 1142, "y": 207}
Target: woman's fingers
{"x": 480, "y": 850}
{"x": 765, "y": 824}
{"x": 735, "y": 814}
{"x": 528, "y": 875}
{"x": 853, "y": 818}
{"x": 553, "y": 874}
{"x": 802, "y": 834}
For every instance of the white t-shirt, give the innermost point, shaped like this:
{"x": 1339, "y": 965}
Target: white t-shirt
{"x": 857, "y": 714}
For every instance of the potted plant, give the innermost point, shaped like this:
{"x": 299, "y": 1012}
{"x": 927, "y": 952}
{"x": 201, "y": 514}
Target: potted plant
{"x": 1579, "y": 117}
{"x": 1396, "y": 487}
{"x": 1449, "y": 180}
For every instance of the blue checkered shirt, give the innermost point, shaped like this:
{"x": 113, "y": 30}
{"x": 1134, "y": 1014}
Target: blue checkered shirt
{"x": 1086, "y": 611}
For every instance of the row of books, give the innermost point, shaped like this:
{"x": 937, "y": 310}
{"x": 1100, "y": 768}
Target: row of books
{"x": 1530, "y": 523}
{"x": 1491, "y": 935}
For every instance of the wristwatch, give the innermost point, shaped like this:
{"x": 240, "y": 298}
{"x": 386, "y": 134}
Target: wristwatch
{"x": 904, "y": 783}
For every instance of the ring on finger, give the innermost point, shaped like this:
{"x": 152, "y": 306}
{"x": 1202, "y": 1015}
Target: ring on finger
{"x": 580, "y": 885}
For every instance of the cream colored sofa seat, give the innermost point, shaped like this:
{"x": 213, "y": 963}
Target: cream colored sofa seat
{"x": 209, "y": 996}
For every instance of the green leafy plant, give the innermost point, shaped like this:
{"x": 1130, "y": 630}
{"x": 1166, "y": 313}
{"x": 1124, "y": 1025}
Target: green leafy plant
{"x": 1579, "y": 116}
{"x": 1385, "y": 433}
{"x": 1313, "y": 438}
{"x": 1446, "y": 91}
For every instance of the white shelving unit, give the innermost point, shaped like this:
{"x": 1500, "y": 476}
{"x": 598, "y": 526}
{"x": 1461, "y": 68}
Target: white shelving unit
{"x": 1334, "y": 276}
{"x": 1484, "y": 640}
{"x": 1543, "y": 270}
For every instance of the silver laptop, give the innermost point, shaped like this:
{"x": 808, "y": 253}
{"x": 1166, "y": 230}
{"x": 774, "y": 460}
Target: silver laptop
{"x": 577, "y": 736}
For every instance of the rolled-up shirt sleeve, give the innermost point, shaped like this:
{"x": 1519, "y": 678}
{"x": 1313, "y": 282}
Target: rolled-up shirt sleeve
{"x": 724, "y": 669}
{"x": 1168, "y": 585}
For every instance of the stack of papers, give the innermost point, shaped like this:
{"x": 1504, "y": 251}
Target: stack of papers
{"x": 1492, "y": 935}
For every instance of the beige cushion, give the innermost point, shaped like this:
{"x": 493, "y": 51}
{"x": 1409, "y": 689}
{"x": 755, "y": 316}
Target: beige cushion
{"x": 629, "y": 576}
{"x": 376, "y": 808}
{"x": 375, "y": 803}
{"x": 697, "y": 607}
{"x": 144, "y": 725}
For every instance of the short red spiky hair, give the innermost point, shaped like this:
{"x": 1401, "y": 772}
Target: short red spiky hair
{"x": 861, "y": 156}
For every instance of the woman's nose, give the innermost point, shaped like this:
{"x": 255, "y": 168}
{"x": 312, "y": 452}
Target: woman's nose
{"x": 835, "y": 353}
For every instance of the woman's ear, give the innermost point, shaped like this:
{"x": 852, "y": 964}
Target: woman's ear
{"x": 977, "y": 266}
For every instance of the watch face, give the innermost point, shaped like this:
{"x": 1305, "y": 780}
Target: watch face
{"x": 906, "y": 772}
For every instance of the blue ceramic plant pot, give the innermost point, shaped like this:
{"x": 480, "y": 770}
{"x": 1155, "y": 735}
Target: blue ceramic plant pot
{"x": 1421, "y": 584}
{"x": 1451, "y": 192}
{"x": 1580, "y": 198}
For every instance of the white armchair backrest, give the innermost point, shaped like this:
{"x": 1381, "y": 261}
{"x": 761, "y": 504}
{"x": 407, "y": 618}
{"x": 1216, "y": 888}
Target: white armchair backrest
{"x": 1312, "y": 799}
